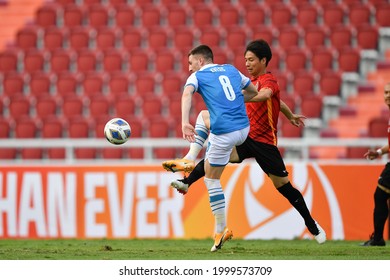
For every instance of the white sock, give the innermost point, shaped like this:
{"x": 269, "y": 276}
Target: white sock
{"x": 203, "y": 134}
{"x": 217, "y": 203}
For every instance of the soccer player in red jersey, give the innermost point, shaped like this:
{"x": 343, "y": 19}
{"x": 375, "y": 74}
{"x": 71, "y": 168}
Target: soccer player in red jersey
{"x": 261, "y": 142}
{"x": 382, "y": 192}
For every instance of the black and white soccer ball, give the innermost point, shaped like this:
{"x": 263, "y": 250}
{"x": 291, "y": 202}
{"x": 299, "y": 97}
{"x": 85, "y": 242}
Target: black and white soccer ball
{"x": 117, "y": 131}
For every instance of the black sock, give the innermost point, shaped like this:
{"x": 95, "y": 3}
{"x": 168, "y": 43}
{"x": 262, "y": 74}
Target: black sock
{"x": 196, "y": 174}
{"x": 296, "y": 199}
{"x": 381, "y": 212}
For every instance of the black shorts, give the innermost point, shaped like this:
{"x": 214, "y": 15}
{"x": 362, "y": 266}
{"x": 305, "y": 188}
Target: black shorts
{"x": 266, "y": 155}
{"x": 384, "y": 178}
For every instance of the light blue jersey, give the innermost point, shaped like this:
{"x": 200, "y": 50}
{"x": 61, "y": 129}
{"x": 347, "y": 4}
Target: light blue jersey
{"x": 220, "y": 87}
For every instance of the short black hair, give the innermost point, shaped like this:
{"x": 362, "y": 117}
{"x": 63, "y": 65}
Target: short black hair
{"x": 204, "y": 51}
{"x": 261, "y": 49}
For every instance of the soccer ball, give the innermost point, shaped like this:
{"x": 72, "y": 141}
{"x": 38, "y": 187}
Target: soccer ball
{"x": 117, "y": 131}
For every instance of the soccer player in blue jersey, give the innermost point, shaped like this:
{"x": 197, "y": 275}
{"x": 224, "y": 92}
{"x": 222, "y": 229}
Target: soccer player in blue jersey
{"x": 224, "y": 90}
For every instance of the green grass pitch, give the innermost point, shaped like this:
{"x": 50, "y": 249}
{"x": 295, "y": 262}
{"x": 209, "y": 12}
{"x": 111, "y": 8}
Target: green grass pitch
{"x": 151, "y": 249}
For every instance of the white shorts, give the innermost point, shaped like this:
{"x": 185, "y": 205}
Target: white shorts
{"x": 220, "y": 146}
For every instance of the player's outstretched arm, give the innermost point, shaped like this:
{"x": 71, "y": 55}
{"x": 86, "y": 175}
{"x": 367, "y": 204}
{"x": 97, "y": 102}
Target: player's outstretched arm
{"x": 295, "y": 119}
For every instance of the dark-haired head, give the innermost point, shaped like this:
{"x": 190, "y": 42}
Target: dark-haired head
{"x": 204, "y": 51}
{"x": 261, "y": 49}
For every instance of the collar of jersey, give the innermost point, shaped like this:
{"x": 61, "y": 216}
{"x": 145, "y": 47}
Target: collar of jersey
{"x": 207, "y": 66}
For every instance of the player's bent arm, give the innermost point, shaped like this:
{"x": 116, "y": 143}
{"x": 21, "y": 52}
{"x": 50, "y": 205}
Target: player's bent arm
{"x": 261, "y": 95}
{"x": 249, "y": 92}
{"x": 186, "y": 100}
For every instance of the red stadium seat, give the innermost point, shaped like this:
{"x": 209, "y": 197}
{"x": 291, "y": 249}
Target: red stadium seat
{"x": 204, "y": 15}
{"x": 237, "y": 37}
{"x": 330, "y": 83}
{"x": 29, "y": 37}
{"x": 68, "y": 83}
{"x": 41, "y": 83}
{"x": 126, "y": 106}
{"x": 6, "y": 128}
{"x": 255, "y": 14}
{"x": 146, "y": 82}
{"x": 359, "y": 13}
{"x": 341, "y": 36}
{"x": 153, "y": 106}
{"x": 46, "y": 106}
{"x": 126, "y": 15}
{"x": 133, "y": 37}
{"x": 266, "y": 32}
{"x": 73, "y": 106}
{"x": 356, "y": 152}
{"x": 382, "y": 12}
{"x": 223, "y": 55}
{"x": 284, "y": 79}
{"x": 53, "y": 127}
{"x": 212, "y": 36}
{"x": 80, "y": 127}
{"x": 100, "y": 15}
{"x": 304, "y": 81}
{"x": 152, "y": 15}
{"x": 289, "y": 35}
{"x": 166, "y": 59}
{"x": 94, "y": 84}
{"x": 367, "y": 36}
{"x": 10, "y": 60}
{"x": 114, "y": 60}
{"x": 74, "y": 15}
{"x": 377, "y": 127}
{"x": 19, "y": 106}
{"x": 55, "y": 38}
{"x": 48, "y": 15}
{"x": 174, "y": 107}
{"x": 323, "y": 58}
{"x": 120, "y": 83}
{"x": 178, "y": 14}
{"x": 14, "y": 82}
{"x": 159, "y": 127}
{"x": 308, "y": 14}
{"x": 185, "y": 38}
{"x": 159, "y": 37}
{"x": 81, "y": 37}
{"x": 282, "y": 14}
{"x": 311, "y": 106}
{"x": 172, "y": 83}
{"x": 349, "y": 59}
{"x": 26, "y": 127}
{"x": 296, "y": 59}
{"x": 100, "y": 105}
{"x": 107, "y": 38}
{"x": 334, "y": 14}
{"x": 230, "y": 14}
{"x": 315, "y": 36}
{"x": 88, "y": 60}
{"x": 290, "y": 131}
{"x": 35, "y": 60}
{"x": 278, "y": 55}
{"x": 140, "y": 60}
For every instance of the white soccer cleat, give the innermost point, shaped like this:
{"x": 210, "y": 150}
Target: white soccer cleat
{"x": 321, "y": 236}
{"x": 180, "y": 186}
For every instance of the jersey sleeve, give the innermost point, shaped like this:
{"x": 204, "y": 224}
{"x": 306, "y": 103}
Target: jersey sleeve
{"x": 245, "y": 81}
{"x": 192, "y": 81}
